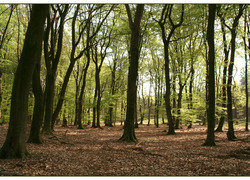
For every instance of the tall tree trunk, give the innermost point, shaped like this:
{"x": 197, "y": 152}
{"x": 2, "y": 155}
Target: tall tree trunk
{"x": 94, "y": 123}
{"x": 81, "y": 99}
{"x": 129, "y": 131}
{"x": 210, "y": 140}
{"x": 179, "y": 104}
{"x": 191, "y": 85}
{"x": 230, "y": 134}
{"x": 149, "y": 97}
{"x": 14, "y": 145}
{"x": 62, "y": 92}
{"x": 52, "y": 58}
{"x": 110, "y": 120}
{"x": 166, "y": 12}
{"x": 246, "y": 27}
{"x": 73, "y": 59}
{"x": 224, "y": 80}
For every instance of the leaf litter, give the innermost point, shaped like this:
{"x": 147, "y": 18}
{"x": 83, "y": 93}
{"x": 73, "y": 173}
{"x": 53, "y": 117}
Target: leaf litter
{"x": 97, "y": 152}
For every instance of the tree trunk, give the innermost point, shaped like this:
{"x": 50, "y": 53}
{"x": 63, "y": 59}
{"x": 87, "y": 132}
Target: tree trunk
{"x": 14, "y": 145}
{"x": 49, "y": 100}
{"x": 38, "y": 110}
{"x": 80, "y": 100}
{"x": 224, "y": 80}
{"x": 166, "y": 42}
{"x": 210, "y": 141}
{"x": 129, "y": 131}
{"x": 230, "y": 133}
{"x": 110, "y": 120}
{"x": 98, "y": 103}
{"x": 246, "y": 65}
{"x": 149, "y": 96}
{"x": 62, "y": 92}
{"x": 179, "y": 104}
{"x": 52, "y": 58}
{"x": 94, "y": 124}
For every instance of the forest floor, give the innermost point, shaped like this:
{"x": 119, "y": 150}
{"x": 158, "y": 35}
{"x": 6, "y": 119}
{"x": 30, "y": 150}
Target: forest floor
{"x": 96, "y": 152}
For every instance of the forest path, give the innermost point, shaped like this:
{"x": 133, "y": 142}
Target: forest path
{"x": 97, "y": 152}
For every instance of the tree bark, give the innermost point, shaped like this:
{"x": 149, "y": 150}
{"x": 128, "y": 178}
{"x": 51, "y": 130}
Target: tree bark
{"x": 230, "y": 134}
{"x": 166, "y": 42}
{"x": 14, "y": 145}
{"x": 129, "y": 131}
{"x": 246, "y": 32}
{"x": 210, "y": 140}
{"x": 224, "y": 80}
{"x": 38, "y": 110}
{"x": 52, "y": 58}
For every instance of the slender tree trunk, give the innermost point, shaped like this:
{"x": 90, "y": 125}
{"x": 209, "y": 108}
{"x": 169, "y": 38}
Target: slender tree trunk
{"x": 79, "y": 116}
{"x": 112, "y": 93}
{"x": 76, "y": 101}
{"x": 246, "y": 26}
{"x": 98, "y": 103}
{"x": 14, "y": 145}
{"x": 210, "y": 140}
{"x": 230, "y": 134}
{"x": 94, "y": 124}
{"x": 179, "y": 104}
{"x": 191, "y": 85}
{"x": 224, "y": 80}
{"x": 166, "y": 42}
{"x": 62, "y": 92}
{"x": 149, "y": 96}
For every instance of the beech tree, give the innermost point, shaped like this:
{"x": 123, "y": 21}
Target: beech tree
{"x": 226, "y": 49}
{"x": 14, "y": 145}
{"x": 210, "y": 140}
{"x": 134, "y": 25}
{"x": 166, "y": 14}
{"x": 91, "y": 32}
{"x": 53, "y": 40}
{"x": 233, "y": 30}
{"x": 246, "y": 49}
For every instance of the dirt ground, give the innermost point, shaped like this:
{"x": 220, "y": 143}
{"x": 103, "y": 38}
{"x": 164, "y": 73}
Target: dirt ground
{"x": 96, "y": 152}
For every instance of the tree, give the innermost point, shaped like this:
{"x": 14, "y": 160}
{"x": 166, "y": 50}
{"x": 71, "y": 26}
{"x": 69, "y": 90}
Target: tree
{"x": 233, "y": 30}
{"x": 38, "y": 110}
{"x": 246, "y": 32}
{"x": 226, "y": 49}
{"x": 91, "y": 32}
{"x": 14, "y": 145}
{"x": 167, "y": 13}
{"x": 52, "y": 54}
{"x": 210, "y": 140}
{"x": 134, "y": 25}
{"x": 104, "y": 44}
{"x": 75, "y": 42}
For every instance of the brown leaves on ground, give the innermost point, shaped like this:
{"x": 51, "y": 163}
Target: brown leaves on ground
{"x": 97, "y": 152}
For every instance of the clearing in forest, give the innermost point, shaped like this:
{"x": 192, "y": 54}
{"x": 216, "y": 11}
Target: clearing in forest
{"x": 96, "y": 152}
